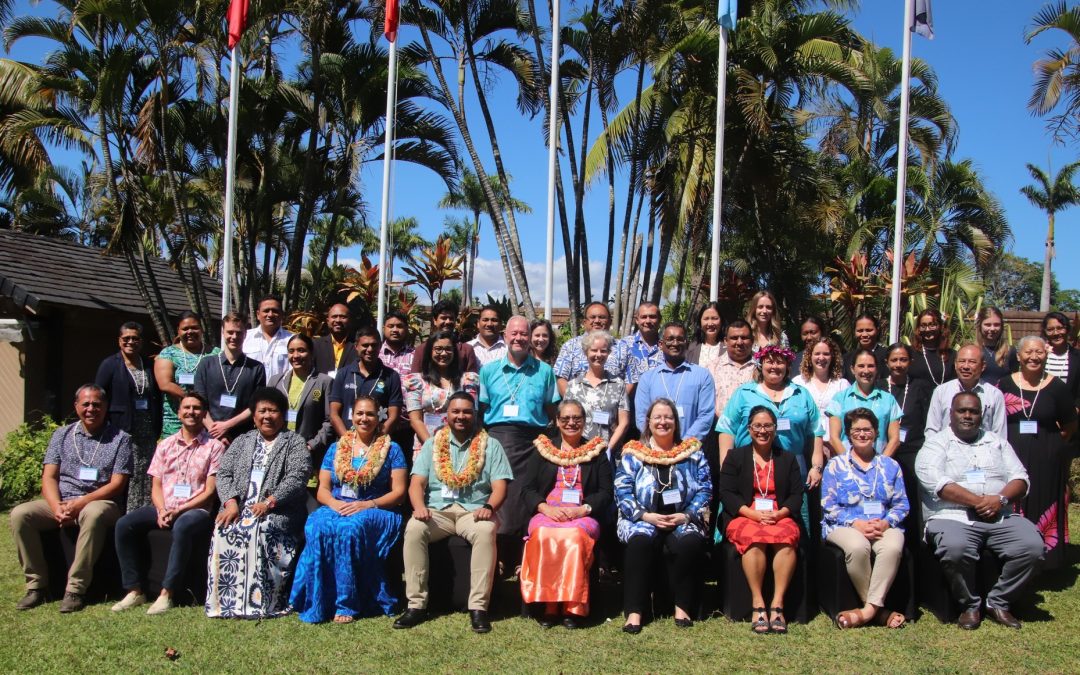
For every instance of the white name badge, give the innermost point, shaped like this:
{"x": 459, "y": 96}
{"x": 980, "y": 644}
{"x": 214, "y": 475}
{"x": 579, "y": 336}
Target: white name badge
{"x": 671, "y": 497}
{"x": 571, "y": 496}
{"x": 142, "y": 404}
{"x": 872, "y": 508}
{"x": 1029, "y": 427}
{"x": 510, "y": 410}
{"x": 903, "y": 434}
{"x": 331, "y": 374}
{"x": 449, "y": 493}
{"x": 432, "y": 421}
{"x": 783, "y": 424}
{"x": 292, "y": 416}
{"x": 680, "y": 412}
{"x": 88, "y": 473}
{"x": 186, "y": 378}
{"x": 348, "y": 492}
{"x": 974, "y": 476}
{"x": 601, "y": 417}
{"x": 181, "y": 491}
{"x": 762, "y": 504}
{"x": 257, "y": 475}
{"x": 227, "y": 401}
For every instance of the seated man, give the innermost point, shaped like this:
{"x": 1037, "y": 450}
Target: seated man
{"x": 86, "y": 472}
{"x": 970, "y": 478}
{"x": 458, "y": 483}
{"x": 183, "y": 491}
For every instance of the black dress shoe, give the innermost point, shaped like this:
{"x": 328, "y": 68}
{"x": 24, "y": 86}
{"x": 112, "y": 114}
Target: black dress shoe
{"x": 479, "y": 620}
{"x": 546, "y": 620}
{"x": 970, "y": 620}
{"x": 631, "y": 628}
{"x": 684, "y": 623}
{"x": 1004, "y": 617}
{"x": 411, "y": 617}
{"x": 570, "y": 622}
{"x": 33, "y": 598}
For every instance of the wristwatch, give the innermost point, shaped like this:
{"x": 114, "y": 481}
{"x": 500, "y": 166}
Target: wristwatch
{"x": 588, "y": 509}
{"x": 489, "y": 507}
{"x": 1004, "y": 500}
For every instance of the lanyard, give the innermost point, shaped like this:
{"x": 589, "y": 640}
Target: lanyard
{"x": 1023, "y": 404}
{"x": 221, "y": 366}
{"x": 78, "y": 450}
{"x": 678, "y": 387}
{"x": 876, "y": 472}
{"x": 930, "y": 370}
{"x": 763, "y": 490}
{"x": 903, "y": 402}
{"x": 185, "y": 362}
{"x": 187, "y": 458}
{"x": 141, "y": 381}
{"x": 664, "y": 485}
{"x": 515, "y": 390}
{"x": 373, "y": 386}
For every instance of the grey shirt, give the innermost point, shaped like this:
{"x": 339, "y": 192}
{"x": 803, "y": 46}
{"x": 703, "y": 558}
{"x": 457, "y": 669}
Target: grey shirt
{"x": 88, "y": 462}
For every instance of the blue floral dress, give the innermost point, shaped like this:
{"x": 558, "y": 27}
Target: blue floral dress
{"x": 341, "y": 569}
{"x": 638, "y": 487}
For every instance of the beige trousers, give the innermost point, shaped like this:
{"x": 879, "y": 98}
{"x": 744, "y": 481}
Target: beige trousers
{"x": 871, "y": 581}
{"x": 443, "y": 524}
{"x": 29, "y": 520}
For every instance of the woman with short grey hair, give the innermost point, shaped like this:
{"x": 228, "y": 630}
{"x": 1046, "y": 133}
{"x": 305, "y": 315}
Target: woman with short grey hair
{"x": 600, "y": 392}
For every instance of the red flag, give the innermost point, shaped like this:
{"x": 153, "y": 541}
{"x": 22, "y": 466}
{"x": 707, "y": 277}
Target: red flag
{"x": 390, "y": 26}
{"x": 238, "y": 10}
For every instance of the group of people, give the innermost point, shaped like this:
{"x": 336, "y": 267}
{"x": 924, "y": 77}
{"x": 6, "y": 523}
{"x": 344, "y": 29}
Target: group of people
{"x": 668, "y": 441}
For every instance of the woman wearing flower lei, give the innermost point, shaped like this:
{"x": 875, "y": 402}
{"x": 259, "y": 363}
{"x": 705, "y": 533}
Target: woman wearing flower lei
{"x": 349, "y": 537}
{"x": 662, "y": 489}
{"x": 567, "y": 484}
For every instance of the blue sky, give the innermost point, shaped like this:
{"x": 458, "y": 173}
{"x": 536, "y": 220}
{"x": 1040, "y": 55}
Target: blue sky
{"x": 984, "y": 71}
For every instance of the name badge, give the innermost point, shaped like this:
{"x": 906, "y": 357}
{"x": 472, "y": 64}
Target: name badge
{"x": 762, "y": 504}
{"x": 292, "y": 416}
{"x": 88, "y": 473}
{"x": 510, "y": 410}
{"x": 449, "y": 493}
{"x": 257, "y": 475}
{"x": 348, "y": 491}
{"x": 383, "y": 414}
{"x": 432, "y": 421}
{"x": 570, "y": 496}
{"x": 601, "y": 417}
{"x": 1029, "y": 427}
{"x": 974, "y": 476}
{"x": 903, "y": 434}
{"x": 181, "y": 491}
{"x": 671, "y": 497}
{"x": 680, "y": 412}
{"x": 331, "y": 373}
{"x": 186, "y": 378}
{"x": 872, "y": 508}
{"x": 783, "y": 424}
{"x": 227, "y": 401}
{"x": 142, "y": 404}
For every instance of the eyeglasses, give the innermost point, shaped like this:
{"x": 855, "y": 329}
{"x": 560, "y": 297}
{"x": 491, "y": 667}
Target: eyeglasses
{"x": 675, "y": 340}
{"x": 442, "y": 350}
{"x": 662, "y": 418}
{"x": 762, "y": 427}
{"x": 861, "y": 433}
{"x": 131, "y": 338}
{"x": 571, "y": 419}
{"x": 928, "y": 325}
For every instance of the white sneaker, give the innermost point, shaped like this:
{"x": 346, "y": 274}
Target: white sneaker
{"x": 132, "y": 599}
{"x": 161, "y": 605}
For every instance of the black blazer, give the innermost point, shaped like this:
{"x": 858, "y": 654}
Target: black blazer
{"x": 114, "y": 378}
{"x": 324, "y": 354}
{"x": 736, "y": 482}
{"x": 597, "y": 482}
{"x": 1072, "y": 378}
{"x": 313, "y": 415}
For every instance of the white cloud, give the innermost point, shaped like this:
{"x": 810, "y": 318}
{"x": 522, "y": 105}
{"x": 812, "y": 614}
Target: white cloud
{"x": 490, "y": 279}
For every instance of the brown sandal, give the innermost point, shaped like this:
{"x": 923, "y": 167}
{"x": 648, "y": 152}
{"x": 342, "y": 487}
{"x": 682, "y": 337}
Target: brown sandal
{"x": 891, "y": 620}
{"x": 344, "y": 618}
{"x": 849, "y": 619}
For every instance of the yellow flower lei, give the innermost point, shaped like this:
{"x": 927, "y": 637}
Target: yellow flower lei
{"x": 376, "y": 457}
{"x": 651, "y": 455}
{"x": 571, "y": 456}
{"x": 444, "y": 463}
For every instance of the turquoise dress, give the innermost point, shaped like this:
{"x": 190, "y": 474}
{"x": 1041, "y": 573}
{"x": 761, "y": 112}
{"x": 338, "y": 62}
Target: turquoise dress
{"x": 341, "y": 569}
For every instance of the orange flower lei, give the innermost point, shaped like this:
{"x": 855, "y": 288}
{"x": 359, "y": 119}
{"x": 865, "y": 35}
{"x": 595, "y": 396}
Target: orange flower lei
{"x": 376, "y": 457}
{"x": 650, "y": 455}
{"x": 444, "y": 463}
{"x": 569, "y": 456}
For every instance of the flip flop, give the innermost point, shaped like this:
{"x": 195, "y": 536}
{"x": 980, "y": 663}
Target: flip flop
{"x": 891, "y": 620}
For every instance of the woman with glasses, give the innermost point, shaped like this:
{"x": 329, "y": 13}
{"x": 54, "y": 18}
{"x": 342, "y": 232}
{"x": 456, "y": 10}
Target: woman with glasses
{"x": 601, "y": 392}
{"x": 662, "y": 489}
{"x": 427, "y": 392}
{"x": 563, "y": 485}
{"x": 864, "y": 504}
{"x": 762, "y": 492}
{"x": 932, "y": 359}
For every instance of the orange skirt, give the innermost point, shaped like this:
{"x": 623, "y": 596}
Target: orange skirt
{"x": 555, "y": 568}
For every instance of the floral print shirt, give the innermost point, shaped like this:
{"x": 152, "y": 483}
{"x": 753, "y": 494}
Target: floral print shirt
{"x": 638, "y": 487}
{"x": 188, "y": 465}
{"x": 573, "y": 362}
{"x": 602, "y": 403}
{"x": 846, "y": 487}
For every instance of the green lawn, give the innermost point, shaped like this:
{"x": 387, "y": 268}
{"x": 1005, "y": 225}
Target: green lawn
{"x": 95, "y": 640}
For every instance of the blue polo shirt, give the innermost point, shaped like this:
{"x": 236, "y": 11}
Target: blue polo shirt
{"x": 881, "y": 402}
{"x": 529, "y": 388}
{"x": 383, "y": 385}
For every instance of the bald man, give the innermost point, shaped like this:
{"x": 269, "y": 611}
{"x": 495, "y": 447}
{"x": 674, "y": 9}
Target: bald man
{"x": 338, "y": 349}
{"x": 970, "y": 364}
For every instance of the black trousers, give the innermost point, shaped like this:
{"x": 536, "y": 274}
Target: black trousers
{"x": 682, "y": 557}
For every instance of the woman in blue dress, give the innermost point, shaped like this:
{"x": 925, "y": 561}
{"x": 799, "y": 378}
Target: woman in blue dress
{"x": 340, "y": 574}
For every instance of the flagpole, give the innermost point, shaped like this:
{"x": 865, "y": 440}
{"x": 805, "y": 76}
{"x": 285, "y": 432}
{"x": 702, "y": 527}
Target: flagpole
{"x": 901, "y": 176}
{"x": 718, "y": 164}
{"x": 553, "y": 147}
{"x": 384, "y": 221}
{"x": 230, "y": 180}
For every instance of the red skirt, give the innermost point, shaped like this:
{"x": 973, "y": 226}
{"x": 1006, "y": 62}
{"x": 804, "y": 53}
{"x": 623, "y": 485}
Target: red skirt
{"x": 555, "y": 568}
{"x": 743, "y": 533}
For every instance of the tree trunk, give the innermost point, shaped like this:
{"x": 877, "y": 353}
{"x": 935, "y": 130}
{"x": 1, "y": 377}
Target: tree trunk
{"x": 635, "y": 257}
{"x": 647, "y": 269}
{"x": 630, "y": 190}
{"x": 611, "y": 212}
{"x": 1044, "y": 297}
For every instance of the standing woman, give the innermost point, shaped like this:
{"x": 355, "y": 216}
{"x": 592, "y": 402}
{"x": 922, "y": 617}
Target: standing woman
{"x": 428, "y": 392}
{"x": 863, "y": 394}
{"x": 542, "y": 341}
{"x": 989, "y": 330}
{"x": 1062, "y": 361}
{"x": 821, "y": 375}
{"x": 308, "y": 393}
{"x": 601, "y": 392}
{"x": 134, "y": 406}
{"x": 764, "y": 320}
{"x": 707, "y": 343}
{"x": 867, "y": 331}
{"x": 174, "y": 368}
{"x": 1042, "y": 420}
{"x": 932, "y": 357}
{"x": 811, "y": 330}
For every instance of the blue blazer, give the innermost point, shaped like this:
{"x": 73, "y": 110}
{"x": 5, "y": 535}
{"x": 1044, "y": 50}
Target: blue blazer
{"x": 114, "y": 378}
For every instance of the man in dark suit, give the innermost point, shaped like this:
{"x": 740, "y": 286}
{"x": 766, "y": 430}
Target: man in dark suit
{"x": 338, "y": 349}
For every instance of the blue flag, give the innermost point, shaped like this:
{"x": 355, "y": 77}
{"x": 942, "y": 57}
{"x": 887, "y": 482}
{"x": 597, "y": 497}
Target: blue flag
{"x": 924, "y": 19}
{"x": 727, "y": 13}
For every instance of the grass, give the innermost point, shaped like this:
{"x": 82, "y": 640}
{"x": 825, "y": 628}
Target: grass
{"x": 95, "y": 640}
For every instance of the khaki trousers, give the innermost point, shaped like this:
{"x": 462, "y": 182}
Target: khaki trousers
{"x": 29, "y": 520}
{"x": 871, "y": 581}
{"x": 452, "y": 521}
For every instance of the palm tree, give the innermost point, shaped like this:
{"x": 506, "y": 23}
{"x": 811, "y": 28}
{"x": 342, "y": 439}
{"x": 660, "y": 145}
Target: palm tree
{"x": 1051, "y": 196}
{"x": 1058, "y": 74}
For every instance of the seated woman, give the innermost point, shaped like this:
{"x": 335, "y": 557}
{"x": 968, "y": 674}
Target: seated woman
{"x": 864, "y": 504}
{"x": 761, "y": 490}
{"x": 263, "y": 506}
{"x": 349, "y": 537}
{"x": 563, "y": 485}
{"x": 663, "y": 488}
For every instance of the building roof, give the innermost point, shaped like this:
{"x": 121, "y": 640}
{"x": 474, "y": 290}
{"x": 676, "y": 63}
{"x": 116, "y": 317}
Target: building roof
{"x": 37, "y": 271}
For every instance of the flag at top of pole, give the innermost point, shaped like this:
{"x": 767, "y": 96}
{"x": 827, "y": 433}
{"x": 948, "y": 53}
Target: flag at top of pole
{"x": 238, "y": 11}
{"x": 390, "y": 25}
{"x": 728, "y": 13}
{"x": 923, "y": 23}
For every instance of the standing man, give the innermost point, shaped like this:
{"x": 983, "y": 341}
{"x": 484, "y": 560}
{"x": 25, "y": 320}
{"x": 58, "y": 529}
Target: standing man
{"x": 970, "y": 364}
{"x": 643, "y": 347}
{"x": 368, "y": 376}
{"x": 970, "y": 479}
{"x": 688, "y": 385}
{"x": 84, "y": 480}
{"x": 227, "y": 382}
{"x": 444, "y": 315}
{"x": 488, "y": 345}
{"x": 734, "y": 367}
{"x": 338, "y": 349}
{"x": 397, "y": 350}
{"x": 268, "y": 343}
{"x": 572, "y": 360}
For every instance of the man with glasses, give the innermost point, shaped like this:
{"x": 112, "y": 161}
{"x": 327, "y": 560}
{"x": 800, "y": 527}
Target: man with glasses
{"x": 268, "y": 343}
{"x": 734, "y": 367}
{"x": 690, "y": 386}
{"x": 572, "y": 360}
{"x": 969, "y": 365}
{"x": 369, "y": 377}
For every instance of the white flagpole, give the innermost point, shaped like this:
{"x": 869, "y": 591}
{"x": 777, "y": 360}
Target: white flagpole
{"x": 901, "y": 176}
{"x": 384, "y": 222}
{"x": 230, "y": 180}
{"x": 718, "y": 165}
{"x": 553, "y": 147}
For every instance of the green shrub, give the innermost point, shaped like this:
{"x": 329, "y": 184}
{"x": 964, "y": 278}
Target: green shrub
{"x": 1074, "y": 482}
{"x": 20, "y": 461}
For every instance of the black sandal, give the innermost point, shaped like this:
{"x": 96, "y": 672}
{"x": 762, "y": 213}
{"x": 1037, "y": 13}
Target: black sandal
{"x": 761, "y": 626}
{"x": 778, "y": 624}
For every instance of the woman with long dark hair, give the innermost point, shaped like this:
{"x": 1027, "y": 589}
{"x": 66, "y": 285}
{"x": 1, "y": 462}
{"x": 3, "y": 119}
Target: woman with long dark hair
{"x": 932, "y": 359}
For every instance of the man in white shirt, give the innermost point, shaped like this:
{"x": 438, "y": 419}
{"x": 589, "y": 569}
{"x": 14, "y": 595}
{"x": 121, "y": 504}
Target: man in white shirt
{"x": 488, "y": 345}
{"x": 970, "y": 364}
{"x": 268, "y": 343}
